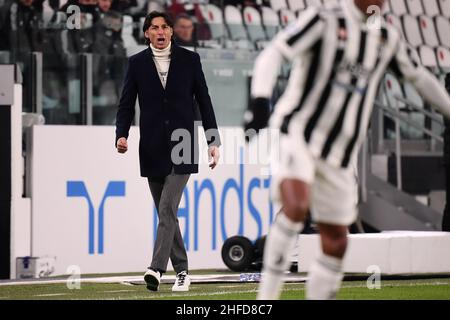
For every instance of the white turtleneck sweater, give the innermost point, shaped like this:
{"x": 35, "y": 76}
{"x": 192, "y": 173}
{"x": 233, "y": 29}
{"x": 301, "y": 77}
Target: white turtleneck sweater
{"x": 161, "y": 57}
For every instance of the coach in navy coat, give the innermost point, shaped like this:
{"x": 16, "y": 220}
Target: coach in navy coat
{"x": 167, "y": 80}
{"x": 165, "y": 110}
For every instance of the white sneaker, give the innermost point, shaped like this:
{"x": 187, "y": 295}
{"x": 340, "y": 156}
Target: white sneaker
{"x": 152, "y": 278}
{"x": 182, "y": 282}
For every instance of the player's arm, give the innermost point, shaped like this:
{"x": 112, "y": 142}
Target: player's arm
{"x": 265, "y": 74}
{"x": 294, "y": 41}
{"x": 407, "y": 64}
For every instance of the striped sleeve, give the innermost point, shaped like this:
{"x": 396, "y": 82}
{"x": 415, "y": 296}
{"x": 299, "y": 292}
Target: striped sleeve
{"x": 265, "y": 72}
{"x": 301, "y": 34}
{"x": 406, "y": 62}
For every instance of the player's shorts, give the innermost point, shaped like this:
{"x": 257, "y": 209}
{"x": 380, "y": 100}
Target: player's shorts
{"x": 333, "y": 190}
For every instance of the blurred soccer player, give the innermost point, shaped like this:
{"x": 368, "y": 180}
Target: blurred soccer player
{"x": 338, "y": 58}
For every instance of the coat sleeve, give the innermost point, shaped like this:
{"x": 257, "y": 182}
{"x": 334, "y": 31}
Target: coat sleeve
{"x": 126, "y": 110}
{"x": 205, "y": 105}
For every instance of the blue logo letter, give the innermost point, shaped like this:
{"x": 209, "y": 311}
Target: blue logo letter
{"x": 78, "y": 189}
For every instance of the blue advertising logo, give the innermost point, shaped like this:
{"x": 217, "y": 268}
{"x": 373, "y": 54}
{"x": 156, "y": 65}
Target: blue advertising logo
{"x": 190, "y": 211}
{"x": 78, "y": 189}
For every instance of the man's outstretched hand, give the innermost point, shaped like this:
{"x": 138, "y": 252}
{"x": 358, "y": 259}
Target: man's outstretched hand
{"x": 213, "y": 156}
{"x": 122, "y": 145}
{"x": 256, "y": 117}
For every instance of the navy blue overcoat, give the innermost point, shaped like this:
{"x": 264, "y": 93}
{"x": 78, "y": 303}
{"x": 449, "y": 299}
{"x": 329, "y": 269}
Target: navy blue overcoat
{"x": 162, "y": 111}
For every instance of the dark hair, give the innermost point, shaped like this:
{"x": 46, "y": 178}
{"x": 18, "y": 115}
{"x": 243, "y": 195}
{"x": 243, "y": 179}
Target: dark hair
{"x": 182, "y": 16}
{"x": 152, "y": 15}
{"x": 155, "y": 14}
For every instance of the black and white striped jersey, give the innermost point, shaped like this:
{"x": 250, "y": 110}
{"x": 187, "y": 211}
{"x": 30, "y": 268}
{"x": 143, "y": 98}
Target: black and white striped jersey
{"x": 338, "y": 59}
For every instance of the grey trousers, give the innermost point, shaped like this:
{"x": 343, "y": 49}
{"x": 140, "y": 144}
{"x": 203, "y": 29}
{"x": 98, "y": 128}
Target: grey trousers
{"x": 169, "y": 243}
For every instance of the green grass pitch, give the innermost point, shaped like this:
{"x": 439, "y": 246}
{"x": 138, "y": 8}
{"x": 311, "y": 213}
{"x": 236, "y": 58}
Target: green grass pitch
{"x": 424, "y": 289}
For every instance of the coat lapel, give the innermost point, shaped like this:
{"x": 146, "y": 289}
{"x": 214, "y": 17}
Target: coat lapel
{"x": 174, "y": 65}
{"x": 153, "y": 71}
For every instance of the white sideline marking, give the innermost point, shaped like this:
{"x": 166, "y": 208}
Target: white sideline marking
{"x": 51, "y": 294}
{"x": 138, "y": 279}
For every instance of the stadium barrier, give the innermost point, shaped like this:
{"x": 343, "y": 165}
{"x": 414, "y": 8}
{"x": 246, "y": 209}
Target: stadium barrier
{"x": 91, "y": 209}
{"x": 14, "y": 208}
{"x": 389, "y": 252}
